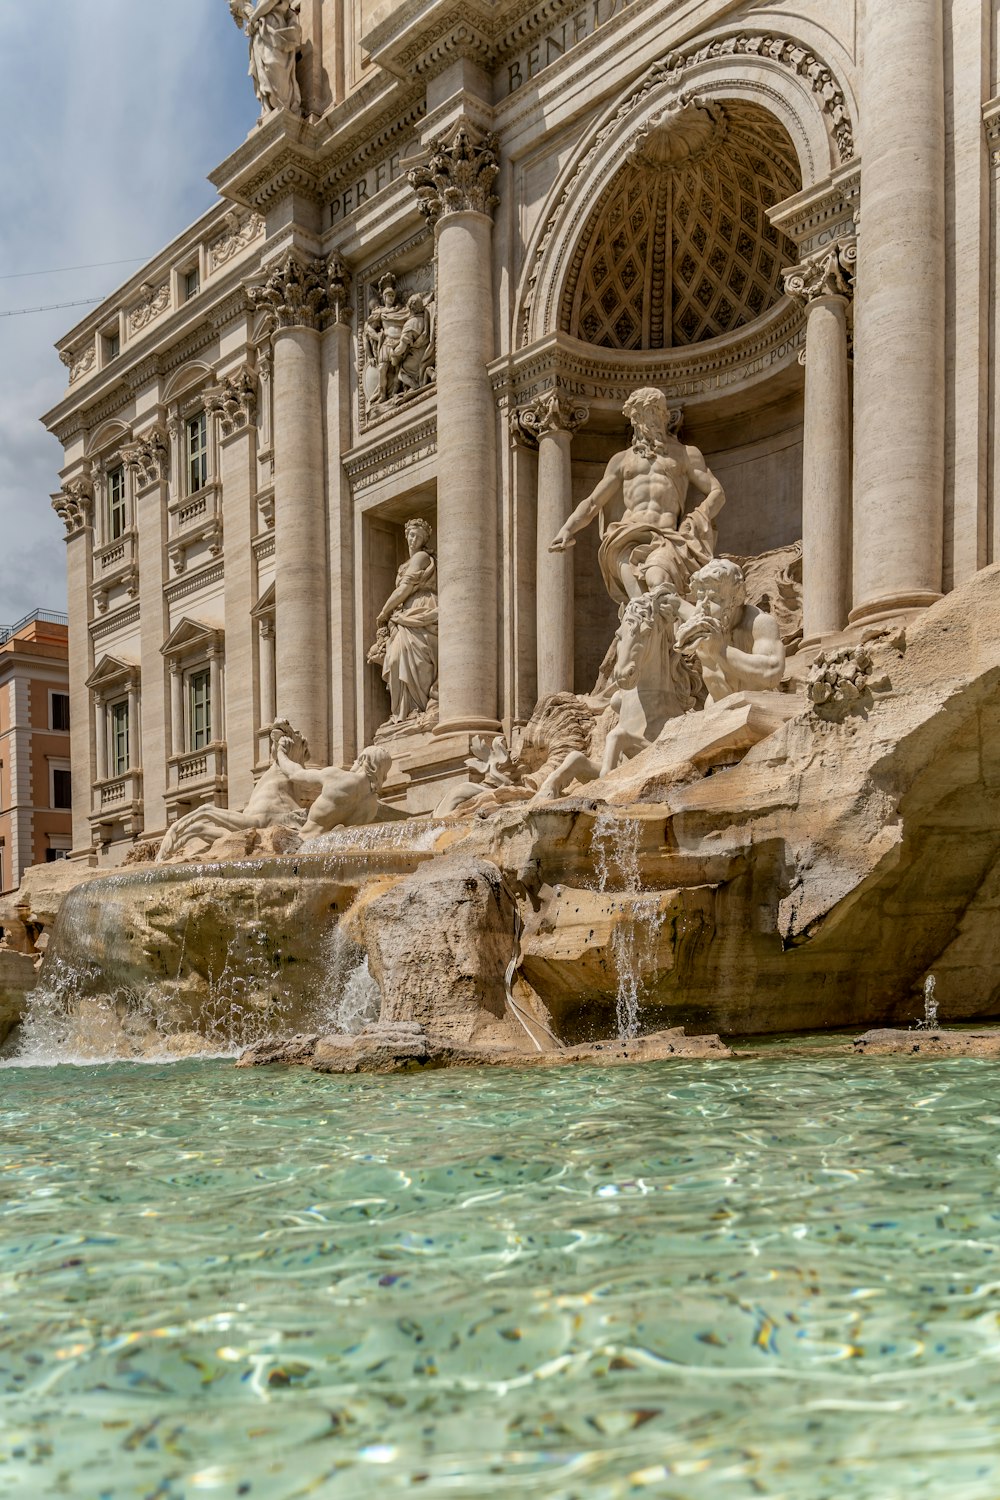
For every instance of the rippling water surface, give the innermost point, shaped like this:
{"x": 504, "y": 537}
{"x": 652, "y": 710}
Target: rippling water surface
{"x": 686, "y": 1280}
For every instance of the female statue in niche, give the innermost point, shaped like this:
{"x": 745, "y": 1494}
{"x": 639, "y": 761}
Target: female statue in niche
{"x": 275, "y": 34}
{"x": 406, "y": 646}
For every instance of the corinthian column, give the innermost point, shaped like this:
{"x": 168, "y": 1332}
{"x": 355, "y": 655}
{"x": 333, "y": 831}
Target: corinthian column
{"x": 340, "y": 515}
{"x": 823, "y": 285}
{"x": 552, "y": 421}
{"x": 75, "y": 507}
{"x": 455, "y": 187}
{"x": 296, "y": 293}
{"x": 899, "y": 364}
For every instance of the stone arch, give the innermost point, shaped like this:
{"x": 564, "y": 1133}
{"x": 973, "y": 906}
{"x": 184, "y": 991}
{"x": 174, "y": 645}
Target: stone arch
{"x": 186, "y": 378}
{"x": 742, "y": 72}
{"x": 109, "y": 433}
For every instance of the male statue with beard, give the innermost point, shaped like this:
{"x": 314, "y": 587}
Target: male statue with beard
{"x": 655, "y": 544}
{"x": 738, "y": 646}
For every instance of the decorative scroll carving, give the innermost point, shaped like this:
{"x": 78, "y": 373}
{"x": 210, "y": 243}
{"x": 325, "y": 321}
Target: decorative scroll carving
{"x": 148, "y": 456}
{"x": 458, "y": 173}
{"x": 240, "y": 231}
{"x": 681, "y": 133}
{"x": 235, "y": 400}
{"x": 79, "y": 362}
{"x": 827, "y": 273}
{"x": 549, "y": 412}
{"x": 155, "y": 300}
{"x": 303, "y": 293}
{"x": 73, "y": 504}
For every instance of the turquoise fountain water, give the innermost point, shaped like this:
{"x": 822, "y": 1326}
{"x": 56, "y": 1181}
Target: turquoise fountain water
{"x": 684, "y": 1280}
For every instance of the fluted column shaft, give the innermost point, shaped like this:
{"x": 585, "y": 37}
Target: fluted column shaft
{"x": 236, "y": 403}
{"x": 455, "y": 188}
{"x": 340, "y": 531}
{"x": 823, "y": 284}
{"x": 900, "y": 313}
{"x": 176, "y": 709}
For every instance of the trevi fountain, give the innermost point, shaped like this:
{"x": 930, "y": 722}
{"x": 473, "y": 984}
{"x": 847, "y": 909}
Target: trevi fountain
{"x": 646, "y": 830}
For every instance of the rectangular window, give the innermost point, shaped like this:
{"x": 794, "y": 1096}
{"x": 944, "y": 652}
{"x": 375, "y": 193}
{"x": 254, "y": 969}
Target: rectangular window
{"x": 197, "y": 452}
{"x": 192, "y": 284}
{"x": 116, "y": 503}
{"x": 62, "y": 794}
{"x": 112, "y": 346}
{"x": 201, "y": 710}
{"x": 51, "y": 855}
{"x": 60, "y": 710}
{"x": 119, "y": 738}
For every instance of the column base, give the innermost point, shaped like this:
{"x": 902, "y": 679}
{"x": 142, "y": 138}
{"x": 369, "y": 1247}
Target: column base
{"x": 467, "y": 725}
{"x": 892, "y": 606}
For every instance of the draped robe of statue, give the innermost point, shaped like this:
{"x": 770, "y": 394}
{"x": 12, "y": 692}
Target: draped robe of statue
{"x": 275, "y": 37}
{"x": 410, "y": 665}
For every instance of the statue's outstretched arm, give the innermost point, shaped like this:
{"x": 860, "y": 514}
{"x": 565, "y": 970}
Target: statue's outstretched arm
{"x": 609, "y": 488}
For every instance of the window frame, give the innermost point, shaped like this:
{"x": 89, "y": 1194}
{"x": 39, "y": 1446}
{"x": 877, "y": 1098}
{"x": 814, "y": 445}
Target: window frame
{"x": 60, "y": 768}
{"x": 55, "y": 728}
{"x": 117, "y": 712}
{"x": 199, "y": 676}
{"x": 117, "y": 502}
{"x": 196, "y": 452}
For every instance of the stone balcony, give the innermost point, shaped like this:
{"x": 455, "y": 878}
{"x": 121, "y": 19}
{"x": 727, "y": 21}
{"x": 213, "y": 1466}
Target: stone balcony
{"x": 116, "y": 564}
{"x": 117, "y": 807}
{"x": 195, "y": 519}
{"x": 195, "y": 777}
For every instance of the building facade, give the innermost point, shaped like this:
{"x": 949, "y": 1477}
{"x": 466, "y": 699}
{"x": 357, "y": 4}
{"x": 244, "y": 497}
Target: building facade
{"x": 35, "y": 778}
{"x": 460, "y": 237}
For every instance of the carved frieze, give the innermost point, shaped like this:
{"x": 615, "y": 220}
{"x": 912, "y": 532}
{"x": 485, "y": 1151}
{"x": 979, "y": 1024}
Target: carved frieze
{"x": 241, "y": 230}
{"x": 153, "y": 302}
{"x": 79, "y": 362}
{"x": 303, "y": 292}
{"x": 458, "y": 173}
{"x": 73, "y": 504}
{"x": 829, "y": 272}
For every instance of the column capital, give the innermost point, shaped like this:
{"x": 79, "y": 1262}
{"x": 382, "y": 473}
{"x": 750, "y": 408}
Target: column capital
{"x": 235, "y": 401}
{"x": 303, "y": 291}
{"x": 828, "y": 272}
{"x": 549, "y": 412}
{"x": 148, "y": 456}
{"x": 73, "y": 504}
{"x": 457, "y": 173}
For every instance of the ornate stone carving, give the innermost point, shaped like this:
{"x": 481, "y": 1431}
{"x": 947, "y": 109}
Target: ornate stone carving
{"x": 303, "y": 292}
{"x": 399, "y": 346}
{"x": 549, "y": 412}
{"x": 738, "y": 647}
{"x": 154, "y": 301}
{"x": 148, "y": 456}
{"x": 73, "y": 504}
{"x": 458, "y": 173}
{"x": 658, "y": 544}
{"x": 235, "y": 400}
{"x": 837, "y": 685}
{"x": 79, "y": 362}
{"x": 406, "y": 646}
{"x": 787, "y": 54}
{"x": 241, "y": 230}
{"x": 827, "y": 273}
{"x": 275, "y": 35}
{"x": 681, "y": 133}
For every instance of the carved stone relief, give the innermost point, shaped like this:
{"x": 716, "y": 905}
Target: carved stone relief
{"x": 458, "y": 173}
{"x": 74, "y": 503}
{"x": 299, "y": 291}
{"x": 154, "y": 301}
{"x": 241, "y": 230}
{"x": 398, "y": 343}
{"x": 79, "y": 362}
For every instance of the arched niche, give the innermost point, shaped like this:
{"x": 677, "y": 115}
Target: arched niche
{"x": 780, "y": 88}
{"x": 195, "y": 373}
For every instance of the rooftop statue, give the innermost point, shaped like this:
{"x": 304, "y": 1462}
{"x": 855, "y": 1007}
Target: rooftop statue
{"x": 275, "y": 37}
{"x": 654, "y": 544}
{"x": 406, "y": 646}
{"x": 738, "y": 646}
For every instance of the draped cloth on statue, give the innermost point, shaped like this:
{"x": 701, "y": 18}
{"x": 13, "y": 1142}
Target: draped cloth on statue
{"x": 410, "y": 666}
{"x": 648, "y": 548}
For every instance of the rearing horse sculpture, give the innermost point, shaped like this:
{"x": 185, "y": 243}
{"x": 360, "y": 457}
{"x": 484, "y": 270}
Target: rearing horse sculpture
{"x": 651, "y": 683}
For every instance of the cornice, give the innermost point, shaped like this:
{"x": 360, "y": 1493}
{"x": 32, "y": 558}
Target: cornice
{"x": 391, "y": 451}
{"x": 422, "y": 37}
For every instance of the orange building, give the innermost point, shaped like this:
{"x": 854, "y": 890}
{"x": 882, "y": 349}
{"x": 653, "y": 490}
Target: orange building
{"x": 35, "y": 819}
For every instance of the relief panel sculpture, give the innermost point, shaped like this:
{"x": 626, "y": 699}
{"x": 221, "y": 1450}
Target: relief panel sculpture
{"x": 398, "y": 345}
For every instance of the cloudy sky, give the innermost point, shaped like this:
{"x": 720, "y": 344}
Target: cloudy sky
{"x": 112, "y": 111}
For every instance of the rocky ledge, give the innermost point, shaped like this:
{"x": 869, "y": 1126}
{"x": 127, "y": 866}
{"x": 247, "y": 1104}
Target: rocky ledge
{"x": 928, "y": 1044}
{"x": 405, "y": 1047}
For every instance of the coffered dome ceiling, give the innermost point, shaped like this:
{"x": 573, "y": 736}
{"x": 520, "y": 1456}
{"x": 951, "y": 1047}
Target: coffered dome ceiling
{"x": 679, "y": 247}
